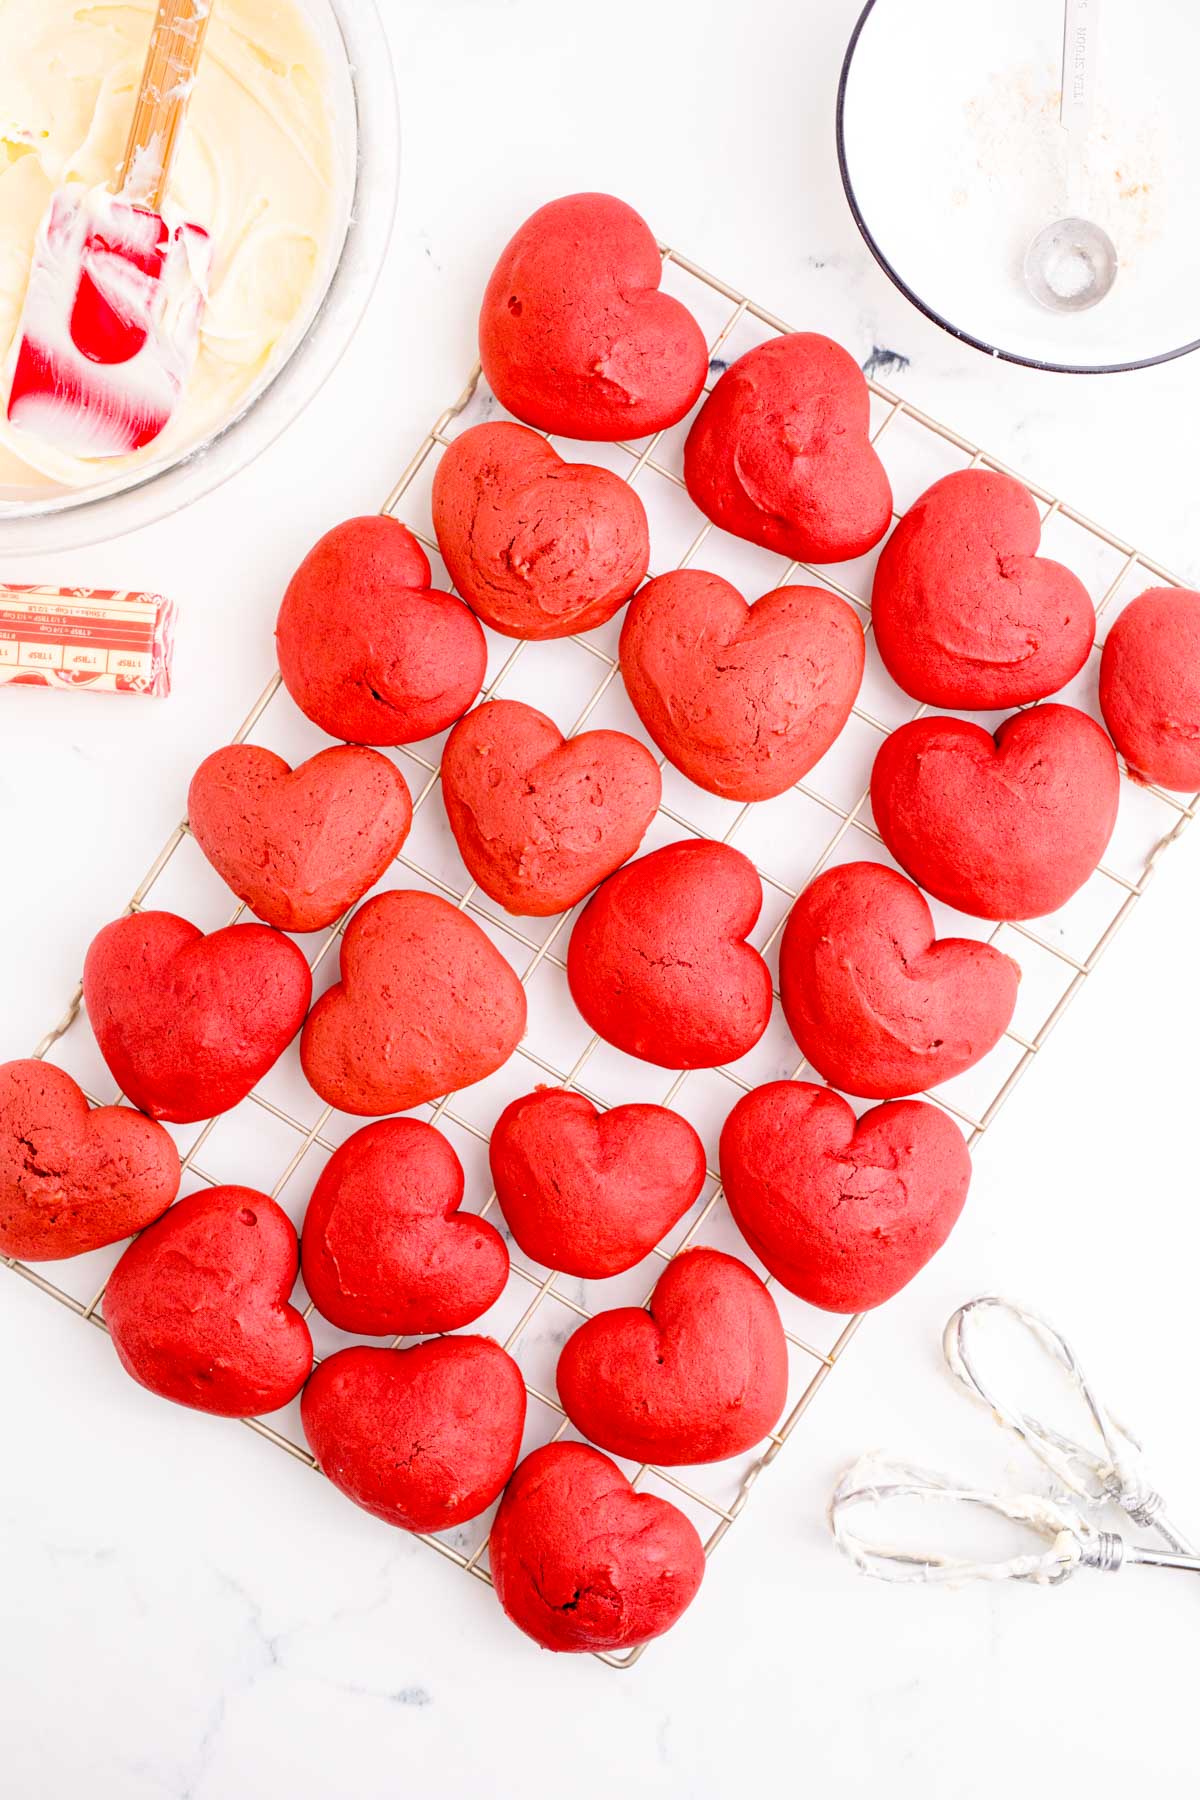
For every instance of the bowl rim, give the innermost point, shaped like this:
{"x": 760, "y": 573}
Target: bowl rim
{"x": 910, "y": 293}
{"x": 73, "y": 521}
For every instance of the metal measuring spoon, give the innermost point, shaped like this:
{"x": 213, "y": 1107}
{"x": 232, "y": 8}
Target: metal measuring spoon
{"x": 1072, "y": 263}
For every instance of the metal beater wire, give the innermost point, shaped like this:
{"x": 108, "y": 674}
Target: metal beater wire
{"x": 1112, "y": 1475}
{"x": 649, "y": 468}
{"x": 876, "y": 1482}
{"x": 1086, "y": 1478}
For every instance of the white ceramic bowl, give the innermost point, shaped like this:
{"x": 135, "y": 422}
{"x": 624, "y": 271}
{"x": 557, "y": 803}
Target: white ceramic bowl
{"x": 367, "y": 131}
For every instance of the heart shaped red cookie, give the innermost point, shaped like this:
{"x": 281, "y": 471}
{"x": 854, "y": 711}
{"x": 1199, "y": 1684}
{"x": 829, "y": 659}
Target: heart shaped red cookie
{"x": 966, "y": 613}
{"x": 575, "y": 335}
{"x": 658, "y": 962}
{"x": 538, "y": 547}
{"x": 1006, "y": 827}
{"x": 73, "y": 1179}
{"x": 198, "y": 1310}
{"x": 426, "y": 1005}
{"x": 588, "y": 1192}
{"x": 1150, "y": 687}
{"x": 581, "y": 1561}
{"x": 299, "y": 845}
{"x": 188, "y": 1023}
{"x": 744, "y": 699}
{"x": 367, "y": 649}
{"x": 879, "y": 1006}
{"x": 843, "y": 1212}
{"x": 781, "y": 452}
{"x": 424, "y": 1438}
{"x": 385, "y": 1250}
{"x": 541, "y": 819}
{"x": 700, "y": 1377}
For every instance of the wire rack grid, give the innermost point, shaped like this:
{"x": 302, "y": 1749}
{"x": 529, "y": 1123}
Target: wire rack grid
{"x": 279, "y": 1138}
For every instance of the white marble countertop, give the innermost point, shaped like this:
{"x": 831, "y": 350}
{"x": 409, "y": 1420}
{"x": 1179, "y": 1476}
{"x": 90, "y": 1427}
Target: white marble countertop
{"x": 186, "y": 1612}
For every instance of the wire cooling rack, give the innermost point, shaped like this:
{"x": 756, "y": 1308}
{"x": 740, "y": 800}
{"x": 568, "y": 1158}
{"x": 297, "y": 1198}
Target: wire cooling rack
{"x": 280, "y": 1137}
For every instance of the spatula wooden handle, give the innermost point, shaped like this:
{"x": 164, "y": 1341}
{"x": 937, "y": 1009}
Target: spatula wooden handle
{"x": 175, "y": 45}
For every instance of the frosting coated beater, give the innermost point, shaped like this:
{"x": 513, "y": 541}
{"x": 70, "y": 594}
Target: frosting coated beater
{"x": 1108, "y": 1472}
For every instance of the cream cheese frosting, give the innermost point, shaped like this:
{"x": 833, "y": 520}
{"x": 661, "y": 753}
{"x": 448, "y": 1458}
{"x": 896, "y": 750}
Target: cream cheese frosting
{"x": 256, "y": 165}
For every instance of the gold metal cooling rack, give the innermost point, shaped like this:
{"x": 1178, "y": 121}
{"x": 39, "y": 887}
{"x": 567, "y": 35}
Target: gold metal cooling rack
{"x": 279, "y": 1138}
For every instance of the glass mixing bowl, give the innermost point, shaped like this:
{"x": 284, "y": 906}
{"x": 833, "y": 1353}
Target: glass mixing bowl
{"x": 367, "y": 132}
{"x": 953, "y": 159}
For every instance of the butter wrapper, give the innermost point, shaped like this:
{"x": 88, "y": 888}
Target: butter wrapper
{"x": 116, "y": 641}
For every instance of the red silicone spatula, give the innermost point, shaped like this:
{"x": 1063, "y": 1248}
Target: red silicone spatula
{"x": 111, "y": 321}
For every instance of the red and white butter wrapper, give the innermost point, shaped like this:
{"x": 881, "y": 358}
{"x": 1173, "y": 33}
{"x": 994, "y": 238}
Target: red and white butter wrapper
{"x": 114, "y": 640}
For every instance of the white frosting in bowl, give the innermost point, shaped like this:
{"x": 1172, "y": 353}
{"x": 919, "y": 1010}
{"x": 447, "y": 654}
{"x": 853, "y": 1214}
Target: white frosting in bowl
{"x": 257, "y": 166}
